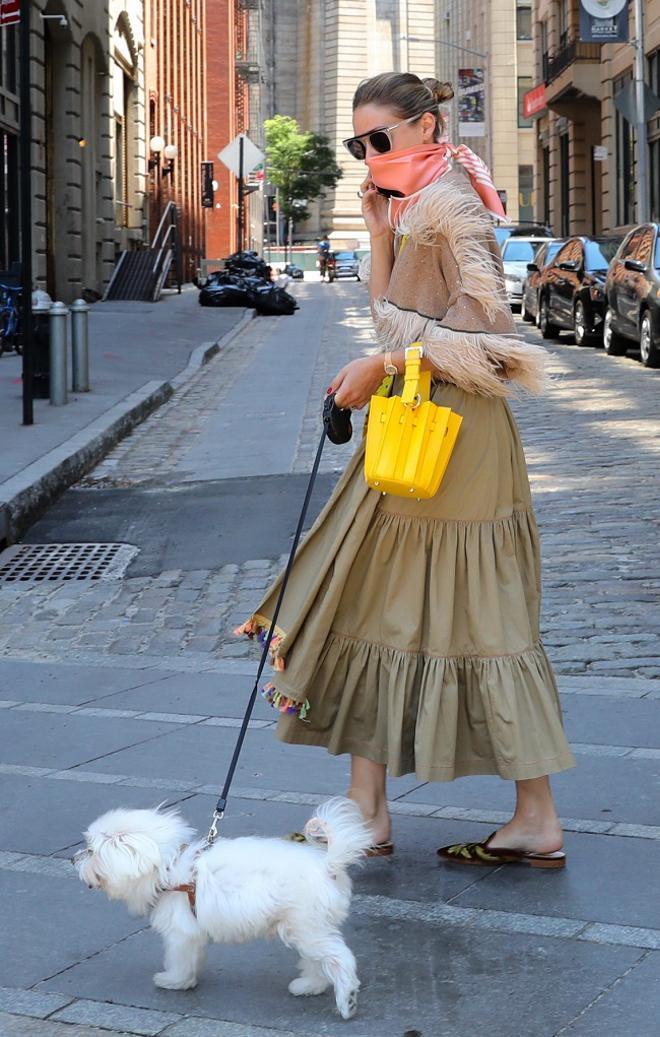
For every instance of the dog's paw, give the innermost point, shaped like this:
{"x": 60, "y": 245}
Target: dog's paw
{"x": 170, "y": 981}
{"x": 304, "y": 986}
{"x": 347, "y": 1004}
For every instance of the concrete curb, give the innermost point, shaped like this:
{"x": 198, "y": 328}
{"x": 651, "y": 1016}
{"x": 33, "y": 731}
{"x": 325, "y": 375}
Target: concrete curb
{"x": 27, "y": 495}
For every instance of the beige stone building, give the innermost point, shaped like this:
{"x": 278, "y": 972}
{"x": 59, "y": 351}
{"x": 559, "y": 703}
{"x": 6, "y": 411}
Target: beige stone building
{"x": 586, "y": 152}
{"x": 495, "y": 36}
{"x": 318, "y": 51}
{"x": 87, "y": 179}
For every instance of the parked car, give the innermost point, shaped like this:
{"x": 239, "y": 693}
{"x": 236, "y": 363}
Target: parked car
{"x": 632, "y": 291}
{"x": 504, "y": 231}
{"x": 530, "y": 298}
{"x": 516, "y": 254}
{"x": 347, "y": 264}
{"x": 296, "y": 273}
{"x": 572, "y": 289}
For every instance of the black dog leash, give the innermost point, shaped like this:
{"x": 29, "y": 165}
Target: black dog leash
{"x": 338, "y": 429}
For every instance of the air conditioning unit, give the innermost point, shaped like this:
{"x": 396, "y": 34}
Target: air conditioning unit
{"x": 250, "y": 5}
{"x": 248, "y": 71}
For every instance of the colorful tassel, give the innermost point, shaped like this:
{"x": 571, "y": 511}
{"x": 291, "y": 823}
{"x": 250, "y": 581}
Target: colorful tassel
{"x": 254, "y": 629}
{"x": 283, "y": 704}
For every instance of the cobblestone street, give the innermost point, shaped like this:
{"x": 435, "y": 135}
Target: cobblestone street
{"x": 138, "y": 684}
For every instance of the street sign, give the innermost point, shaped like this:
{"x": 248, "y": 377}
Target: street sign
{"x": 231, "y": 155}
{"x": 625, "y": 101}
{"x": 10, "y": 12}
{"x": 604, "y": 8}
{"x": 534, "y": 101}
{"x": 604, "y": 21}
{"x": 601, "y": 154}
{"x": 207, "y": 185}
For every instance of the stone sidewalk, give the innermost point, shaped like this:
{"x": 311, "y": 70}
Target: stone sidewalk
{"x": 131, "y": 692}
{"x": 138, "y": 351}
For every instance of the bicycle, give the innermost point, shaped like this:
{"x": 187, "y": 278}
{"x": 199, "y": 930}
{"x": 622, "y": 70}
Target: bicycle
{"x": 10, "y": 319}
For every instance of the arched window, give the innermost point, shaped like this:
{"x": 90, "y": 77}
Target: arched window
{"x": 124, "y": 110}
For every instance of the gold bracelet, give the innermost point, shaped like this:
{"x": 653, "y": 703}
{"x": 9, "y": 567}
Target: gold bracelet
{"x": 390, "y": 368}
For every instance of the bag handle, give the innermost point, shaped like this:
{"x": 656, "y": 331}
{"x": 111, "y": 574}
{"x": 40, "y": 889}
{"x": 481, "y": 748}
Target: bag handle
{"x": 417, "y": 383}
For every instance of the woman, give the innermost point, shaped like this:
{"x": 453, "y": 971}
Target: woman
{"x": 409, "y": 633}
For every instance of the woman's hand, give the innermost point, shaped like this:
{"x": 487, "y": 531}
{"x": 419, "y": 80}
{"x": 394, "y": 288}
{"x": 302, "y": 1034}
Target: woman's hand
{"x": 374, "y": 209}
{"x": 356, "y": 383}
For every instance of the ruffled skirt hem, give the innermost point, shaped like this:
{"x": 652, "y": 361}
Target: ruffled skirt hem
{"x": 439, "y": 718}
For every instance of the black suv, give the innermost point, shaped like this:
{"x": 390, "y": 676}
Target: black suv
{"x": 572, "y": 289}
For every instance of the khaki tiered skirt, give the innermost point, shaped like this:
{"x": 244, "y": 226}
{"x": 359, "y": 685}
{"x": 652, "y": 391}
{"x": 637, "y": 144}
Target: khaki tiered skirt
{"x": 410, "y": 629}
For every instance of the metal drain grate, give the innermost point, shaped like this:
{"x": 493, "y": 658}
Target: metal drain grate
{"x": 36, "y": 563}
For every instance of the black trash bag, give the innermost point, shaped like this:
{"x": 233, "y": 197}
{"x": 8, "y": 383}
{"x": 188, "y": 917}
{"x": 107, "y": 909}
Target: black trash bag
{"x": 225, "y": 295}
{"x": 273, "y": 302}
{"x": 249, "y": 262}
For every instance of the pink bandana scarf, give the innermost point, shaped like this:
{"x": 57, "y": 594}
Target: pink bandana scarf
{"x": 410, "y": 170}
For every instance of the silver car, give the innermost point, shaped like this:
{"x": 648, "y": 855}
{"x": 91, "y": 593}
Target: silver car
{"x": 517, "y": 252}
{"x": 347, "y": 264}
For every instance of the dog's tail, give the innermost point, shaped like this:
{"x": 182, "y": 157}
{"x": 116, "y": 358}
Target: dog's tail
{"x": 339, "y": 824}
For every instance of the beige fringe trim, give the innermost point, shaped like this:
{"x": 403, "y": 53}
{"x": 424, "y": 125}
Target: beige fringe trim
{"x": 479, "y": 362}
{"x": 454, "y": 211}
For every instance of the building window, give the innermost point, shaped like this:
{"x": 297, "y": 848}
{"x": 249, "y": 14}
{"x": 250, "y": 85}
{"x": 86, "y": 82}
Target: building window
{"x": 523, "y": 20}
{"x": 654, "y": 172}
{"x": 526, "y": 193}
{"x": 654, "y": 72}
{"x": 544, "y": 50}
{"x": 563, "y": 23}
{"x": 565, "y": 195}
{"x": 10, "y": 250}
{"x": 545, "y": 165}
{"x": 624, "y": 163}
{"x": 8, "y": 69}
{"x": 525, "y": 84}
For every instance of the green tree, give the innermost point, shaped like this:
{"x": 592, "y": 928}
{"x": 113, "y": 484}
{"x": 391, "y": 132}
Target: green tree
{"x": 301, "y": 164}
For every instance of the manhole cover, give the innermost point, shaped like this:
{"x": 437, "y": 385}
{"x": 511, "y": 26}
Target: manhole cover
{"x": 32, "y": 563}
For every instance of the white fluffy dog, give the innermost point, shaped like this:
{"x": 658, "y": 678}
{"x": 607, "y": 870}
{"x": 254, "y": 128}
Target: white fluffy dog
{"x": 235, "y": 890}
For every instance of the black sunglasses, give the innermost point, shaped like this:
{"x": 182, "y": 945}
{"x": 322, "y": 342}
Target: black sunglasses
{"x": 380, "y": 140}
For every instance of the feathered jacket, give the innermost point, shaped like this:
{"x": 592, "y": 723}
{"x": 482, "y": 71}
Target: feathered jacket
{"x": 447, "y": 290}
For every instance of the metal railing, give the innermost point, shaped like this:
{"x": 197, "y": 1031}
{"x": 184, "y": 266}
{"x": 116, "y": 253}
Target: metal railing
{"x": 167, "y": 248}
{"x": 572, "y": 50}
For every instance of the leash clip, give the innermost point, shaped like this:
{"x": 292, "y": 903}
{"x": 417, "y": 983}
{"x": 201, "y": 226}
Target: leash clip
{"x": 213, "y": 830}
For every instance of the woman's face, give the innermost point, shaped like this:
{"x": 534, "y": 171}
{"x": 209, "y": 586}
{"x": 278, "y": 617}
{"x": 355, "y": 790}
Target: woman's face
{"x": 370, "y": 117}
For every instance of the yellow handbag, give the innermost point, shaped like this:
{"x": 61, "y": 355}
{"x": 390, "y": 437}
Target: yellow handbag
{"x": 409, "y": 438}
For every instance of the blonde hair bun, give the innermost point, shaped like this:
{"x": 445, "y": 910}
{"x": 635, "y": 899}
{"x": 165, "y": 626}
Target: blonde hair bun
{"x": 441, "y": 91}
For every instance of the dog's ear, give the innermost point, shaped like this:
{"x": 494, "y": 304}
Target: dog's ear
{"x": 133, "y": 853}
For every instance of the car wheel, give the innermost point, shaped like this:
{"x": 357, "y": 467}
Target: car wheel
{"x": 614, "y": 344}
{"x": 649, "y": 349}
{"x": 581, "y": 327}
{"x": 547, "y": 329}
{"x": 525, "y": 314}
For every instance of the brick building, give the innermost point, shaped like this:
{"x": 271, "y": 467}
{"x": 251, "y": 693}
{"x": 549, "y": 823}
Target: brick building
{"x": 580, "y": 189}
{"x": 236, "y": 74}
{"x": 175, "y": 82}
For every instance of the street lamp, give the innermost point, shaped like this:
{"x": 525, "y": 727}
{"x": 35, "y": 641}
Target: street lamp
{"x": 156, "y": 145}
{"x": 169, "y": 152}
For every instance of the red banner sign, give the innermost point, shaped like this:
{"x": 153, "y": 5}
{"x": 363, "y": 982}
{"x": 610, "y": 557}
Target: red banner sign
{"x": 10, "y": 12}
{"x": 534, "y": 101}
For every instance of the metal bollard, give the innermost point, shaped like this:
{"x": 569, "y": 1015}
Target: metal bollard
{"x": 80, "y": 346}
{"x": 58, "y": 365}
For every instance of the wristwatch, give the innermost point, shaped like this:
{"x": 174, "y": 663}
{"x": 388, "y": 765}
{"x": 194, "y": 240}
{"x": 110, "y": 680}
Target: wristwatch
{"x": 388, "y": 365}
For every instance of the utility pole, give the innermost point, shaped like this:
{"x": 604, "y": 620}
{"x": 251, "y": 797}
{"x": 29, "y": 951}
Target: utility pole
{"x": 643, "y": 201}
{"x": 26, "y": 214}
{"x": 241, "y": 214}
